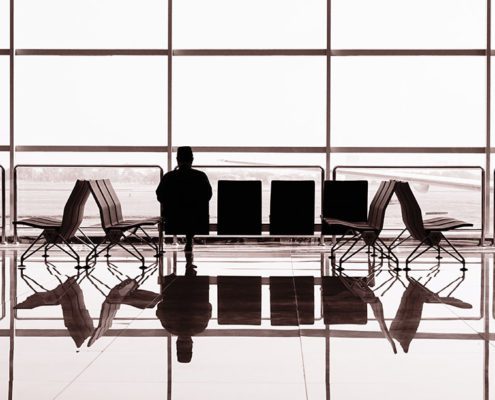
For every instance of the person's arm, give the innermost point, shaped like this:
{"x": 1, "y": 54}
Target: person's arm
{"x": 161, "y": 190}
{"x": 208, "y": 190}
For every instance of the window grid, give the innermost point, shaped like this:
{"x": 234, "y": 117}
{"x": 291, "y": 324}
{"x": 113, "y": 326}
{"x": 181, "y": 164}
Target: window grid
{"x": 329, "y": 53}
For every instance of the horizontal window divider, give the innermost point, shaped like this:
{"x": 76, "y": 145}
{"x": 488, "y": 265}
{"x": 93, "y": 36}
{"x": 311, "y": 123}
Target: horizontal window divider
{"x": 93, "y": 149}
{"x": 408, "y": 52}
{"x": 255, "y": 149}
{"x": 248, "y": 149}
{"x": 335, "y": 52}
{"x": 250, "y": 52}
{"x": 5, "y": 147}
{"x": 438, "y": 150}
{"x": 91, "y": 52}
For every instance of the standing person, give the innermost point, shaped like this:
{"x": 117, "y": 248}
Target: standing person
{"x": 184, "y": 194}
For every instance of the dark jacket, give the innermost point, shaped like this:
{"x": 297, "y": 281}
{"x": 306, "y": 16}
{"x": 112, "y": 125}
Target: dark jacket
{"x": 185, "y": 194}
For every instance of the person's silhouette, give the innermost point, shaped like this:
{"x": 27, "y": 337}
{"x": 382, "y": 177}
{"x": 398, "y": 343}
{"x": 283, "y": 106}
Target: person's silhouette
{"x": 184, "y": 194}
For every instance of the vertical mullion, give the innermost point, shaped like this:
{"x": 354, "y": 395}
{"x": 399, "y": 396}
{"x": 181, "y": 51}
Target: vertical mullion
{"x": 328, "y": 97}
{"x": 488, "y": 173}
{"x": 169, "y": 88}
{"x": 11, "y": 116}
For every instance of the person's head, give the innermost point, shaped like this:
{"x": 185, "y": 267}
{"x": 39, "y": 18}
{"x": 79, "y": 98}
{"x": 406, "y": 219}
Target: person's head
{"x": 184, "y": 156}
{"x": 184, "y": 349}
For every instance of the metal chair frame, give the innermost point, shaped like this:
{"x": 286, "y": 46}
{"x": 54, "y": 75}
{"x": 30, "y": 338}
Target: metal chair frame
{"x": 116, "y": 227}
{"x": 368, "y": 231}
{"x": 57, "y": 232}
{"x": 427, "y": 232}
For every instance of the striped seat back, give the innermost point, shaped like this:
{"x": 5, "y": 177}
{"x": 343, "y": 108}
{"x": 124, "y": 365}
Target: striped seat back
{"x": 108, "y": 215}
{"x": 112, "y": 199}
{"x": 74, "y": 209}
{"x": 411, "y": 212}
{"x": 378, "y": 206}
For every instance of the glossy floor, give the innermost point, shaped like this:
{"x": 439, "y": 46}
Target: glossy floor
{"x": 244, "y": 322}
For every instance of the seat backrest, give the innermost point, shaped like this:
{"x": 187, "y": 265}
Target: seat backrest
{"x": 292, "y": 207}
{"x": 411, "y": 211}
{"x": 112, "y": 198}
{"x": 239, "y": 208}
{"x": 74, "y": 209}
{"x": 344, "y": 200}
{"x": 107, "y": 213}
{"x": 378, "y": 206}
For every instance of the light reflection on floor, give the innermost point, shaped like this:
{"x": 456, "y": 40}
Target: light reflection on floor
{"x": 317, "y": 334}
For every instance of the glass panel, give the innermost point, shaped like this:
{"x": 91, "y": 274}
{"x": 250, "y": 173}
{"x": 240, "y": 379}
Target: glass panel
{"x": 44, "y": 190}
{"x": 251, "y": 168}
{"x": 104, "y": 158}
{"x": 4, "y": 100}
{"x": 441, "y": 192}
{"x": 238, "y": 24}
{"x": 408, "y": 24}
{"x": 4, "y": 24}
{"x": 91, "y": 101}
{"x": 408, "y": 101}
{"x": 239, "y": 101}
{"x": 91, "y": 24}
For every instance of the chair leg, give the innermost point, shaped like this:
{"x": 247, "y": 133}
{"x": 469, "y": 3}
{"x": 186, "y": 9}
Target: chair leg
{"x": 455, "y": 255}
{"x": 137, "y": 254}
{"x": 28, "y": 253}
{"x": 346, "y": 256}
{"x": 74, "y": 254}
{"x": 340, "y": 243}
{"x": 390, "y": 254}
{"x": 94, "y": 253}
{"x": 414, "y": 256}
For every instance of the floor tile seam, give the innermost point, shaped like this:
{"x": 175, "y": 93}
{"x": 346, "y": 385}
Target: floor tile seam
{"x": 466, "y": 323}
{"x": 98, "y": 355}
{"x": 301, "y": 346}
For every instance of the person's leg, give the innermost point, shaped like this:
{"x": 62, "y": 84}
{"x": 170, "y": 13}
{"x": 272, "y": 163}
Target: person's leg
{"x": 189, "y": 242}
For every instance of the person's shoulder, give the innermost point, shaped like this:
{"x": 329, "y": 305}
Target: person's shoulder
{"x": 198, "y": 172}
{"x": 170, "y": 174}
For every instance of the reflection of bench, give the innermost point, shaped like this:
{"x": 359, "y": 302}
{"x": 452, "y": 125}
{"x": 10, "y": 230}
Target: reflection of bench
{"x": 56, "y": 231}
{"x": 114, "y": 224}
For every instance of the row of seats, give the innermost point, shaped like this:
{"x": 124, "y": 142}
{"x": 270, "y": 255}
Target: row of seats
{"x": 292, "y": 208}
{"x": 57, "y": 232}
{"x": 366, "y": 232}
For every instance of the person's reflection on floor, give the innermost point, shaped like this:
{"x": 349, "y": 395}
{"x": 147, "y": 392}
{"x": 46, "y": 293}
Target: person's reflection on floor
{"x": 185, "y": 309}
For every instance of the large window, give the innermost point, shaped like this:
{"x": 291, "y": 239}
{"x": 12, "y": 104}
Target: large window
{"x": 249, "y": 101}
{"x": 320, "y": 82}
{"x": 91, "y": 101}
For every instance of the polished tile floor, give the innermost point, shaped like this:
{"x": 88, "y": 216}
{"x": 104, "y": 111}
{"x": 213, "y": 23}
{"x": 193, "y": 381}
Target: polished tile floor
{"x": 246, "y": 322}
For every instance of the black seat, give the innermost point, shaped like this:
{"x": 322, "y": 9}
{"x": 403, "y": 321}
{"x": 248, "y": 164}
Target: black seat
{"x": 59, "y": 231}
{"x": 292, "y": 208}
{"x": 369, "y": 230}
{"x": 346, "y": 201}
{"x": 239, "y": 208}
{"x": 428, "y": 232}
{"x": 114, "y": 224}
